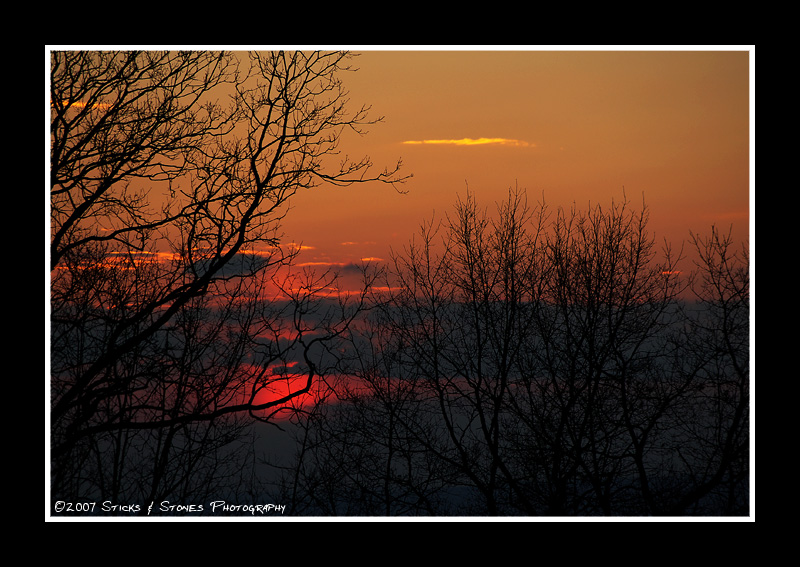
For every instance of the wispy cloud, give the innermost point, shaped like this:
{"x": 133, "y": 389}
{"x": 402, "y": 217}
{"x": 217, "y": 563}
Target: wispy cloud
{"x": 474, "y": 142}
{"x": 80, "y": 104}
{"x": 327, "y": 264}
{"x": 298, "y": 247}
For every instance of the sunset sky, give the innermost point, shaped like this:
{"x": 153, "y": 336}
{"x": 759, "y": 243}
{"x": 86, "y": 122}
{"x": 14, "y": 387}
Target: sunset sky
{"x": 162, "y": 313}
{"x": 575, "y": 126}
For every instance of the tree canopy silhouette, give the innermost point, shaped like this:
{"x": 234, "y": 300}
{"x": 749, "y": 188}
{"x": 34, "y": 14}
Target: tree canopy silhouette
{"x": 536, "y": 362}
{"x": 169, "y": 175}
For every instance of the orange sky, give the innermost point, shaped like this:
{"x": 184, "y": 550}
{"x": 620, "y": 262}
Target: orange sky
{"x": 576, "y": 126}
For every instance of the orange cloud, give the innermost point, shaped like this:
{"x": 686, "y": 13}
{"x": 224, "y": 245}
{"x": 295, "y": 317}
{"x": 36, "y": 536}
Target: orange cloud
{"x": 296, "y": 247}
{"x": 474, "y": 142}
{"x": 80, "y": 104}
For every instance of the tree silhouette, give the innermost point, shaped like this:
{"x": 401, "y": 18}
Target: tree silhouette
{"x": 538, "y": 363}
{"x": 526, "y": 361}
{"x": 170, "y": 173}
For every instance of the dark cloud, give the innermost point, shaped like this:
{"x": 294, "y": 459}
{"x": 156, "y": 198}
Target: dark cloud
{"x": 241, "y": 264}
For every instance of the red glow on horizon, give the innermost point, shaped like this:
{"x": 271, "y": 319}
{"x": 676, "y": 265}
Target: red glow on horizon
{"x": 282, "y": 381}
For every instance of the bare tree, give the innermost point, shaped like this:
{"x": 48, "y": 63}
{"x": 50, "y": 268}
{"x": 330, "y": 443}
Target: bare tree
{"x": 607, "y": 302}
{"x": 538, "y": 364}
{"x": 715, "y": 428}
{"x": 360, "y": 450}
{"x": 432, "y": 372}
{"x": 170, "y": 174}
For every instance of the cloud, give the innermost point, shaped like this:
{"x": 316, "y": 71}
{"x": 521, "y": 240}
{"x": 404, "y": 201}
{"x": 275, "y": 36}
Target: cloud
{"x": 313, "y": 264}
{"x": 299, "y": 247}
{"x": 474, "y": 142}
{"x": 241, "y": 264}
{"x": 80, "y": 104}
